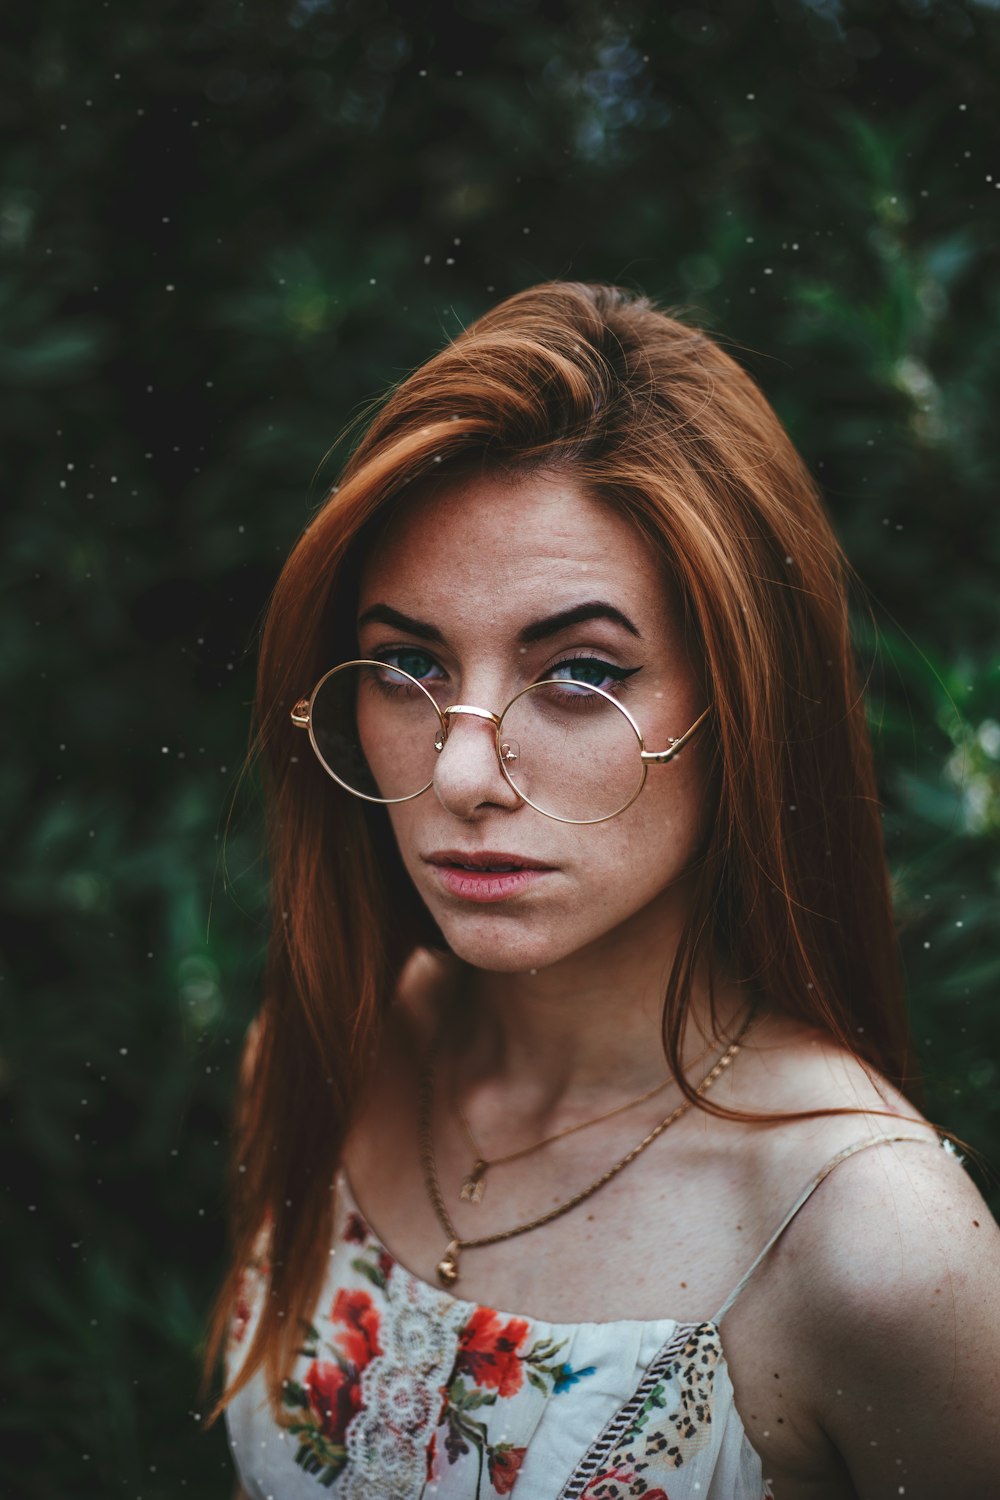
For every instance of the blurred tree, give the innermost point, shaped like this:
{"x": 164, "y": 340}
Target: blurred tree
{"x": 224, "y": 229}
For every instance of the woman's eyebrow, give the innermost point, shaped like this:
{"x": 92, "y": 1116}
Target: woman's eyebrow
{"x": 381, "y": 614}
{"x": 594, "y": 609}
{"x": 538, "y": 630}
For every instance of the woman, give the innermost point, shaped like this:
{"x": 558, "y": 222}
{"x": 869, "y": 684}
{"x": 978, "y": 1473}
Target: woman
{"x": 577, "y": 1153}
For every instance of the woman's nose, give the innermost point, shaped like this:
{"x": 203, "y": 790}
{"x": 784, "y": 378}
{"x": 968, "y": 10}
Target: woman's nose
{"x": 467, "y": 775}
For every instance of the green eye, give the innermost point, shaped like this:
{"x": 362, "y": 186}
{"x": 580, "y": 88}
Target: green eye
{"x": 592, "y": 672}
{"x": 416, "y": 663}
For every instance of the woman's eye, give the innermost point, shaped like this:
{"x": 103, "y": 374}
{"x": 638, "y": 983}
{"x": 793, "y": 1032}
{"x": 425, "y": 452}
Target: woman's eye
{"x": 591, "y": 671}
{"x": 414, "y": 663}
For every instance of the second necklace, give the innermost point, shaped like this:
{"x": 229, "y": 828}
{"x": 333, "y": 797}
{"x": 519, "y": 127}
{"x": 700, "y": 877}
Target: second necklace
{"x": 448, "y": 1265}
{"x": 474, "y": 1184}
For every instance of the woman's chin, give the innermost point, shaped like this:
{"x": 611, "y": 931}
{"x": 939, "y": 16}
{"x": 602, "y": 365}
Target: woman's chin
{"x": 503, "y": 952}
{"x": 514, "y": 947}
{"x": 496, "y": 960}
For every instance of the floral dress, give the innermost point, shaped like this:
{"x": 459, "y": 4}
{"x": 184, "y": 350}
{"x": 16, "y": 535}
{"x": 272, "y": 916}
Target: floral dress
{"x": 402, "y": 1391}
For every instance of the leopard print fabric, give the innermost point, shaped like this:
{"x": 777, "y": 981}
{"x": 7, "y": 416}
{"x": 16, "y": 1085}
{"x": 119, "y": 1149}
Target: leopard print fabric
{"x": 666, "y": 1422}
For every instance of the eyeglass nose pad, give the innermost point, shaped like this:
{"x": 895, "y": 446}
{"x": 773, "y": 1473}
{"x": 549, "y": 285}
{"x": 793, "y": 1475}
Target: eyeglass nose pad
{"x": 510, "y": 751}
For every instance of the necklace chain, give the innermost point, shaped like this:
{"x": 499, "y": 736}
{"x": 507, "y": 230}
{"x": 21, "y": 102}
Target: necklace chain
{"x": 474, "y": 1185}
{"x": 448, "y": 1266}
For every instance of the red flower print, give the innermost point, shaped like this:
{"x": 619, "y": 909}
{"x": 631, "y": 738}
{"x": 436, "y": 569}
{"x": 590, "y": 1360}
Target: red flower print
{"x": 609, "y": 1484}
{"x": 359, "y": 1340}
{"x": 505, "y": 1465}
{"x": 487, "y": 1351}
{"x": 354, "y": 1229}
{"x": 334, "y": 1396}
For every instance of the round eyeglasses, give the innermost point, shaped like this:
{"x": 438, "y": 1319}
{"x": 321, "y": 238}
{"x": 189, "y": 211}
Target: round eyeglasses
{"x": 569, "y": 750}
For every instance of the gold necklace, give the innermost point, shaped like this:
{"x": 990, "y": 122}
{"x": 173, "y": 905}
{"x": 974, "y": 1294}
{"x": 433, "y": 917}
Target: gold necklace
{"x": 474, "y": 1184}
{"x": 448, "y": 1265}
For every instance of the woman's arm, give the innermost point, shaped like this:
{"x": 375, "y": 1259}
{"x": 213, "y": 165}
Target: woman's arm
{"x": 902, "y": 1314}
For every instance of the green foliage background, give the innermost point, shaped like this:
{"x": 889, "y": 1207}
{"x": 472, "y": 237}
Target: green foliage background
{"x": 224, "y": 229}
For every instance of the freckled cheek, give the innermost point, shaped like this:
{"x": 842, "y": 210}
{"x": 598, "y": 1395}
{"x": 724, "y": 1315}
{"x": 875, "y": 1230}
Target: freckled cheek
{"x": 663, "y": 828}
{"x": 647, "y": 845}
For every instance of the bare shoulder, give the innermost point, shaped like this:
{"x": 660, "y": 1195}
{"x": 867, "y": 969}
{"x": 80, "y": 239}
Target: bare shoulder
{"x": 789, "y": 1067}
{"x": 887, "y": 1216}
{"x": 878, "y": 1212}
{"x": 899, "y": 1305}
{"x": 871, "y": 1190}
{"x": 890, "y": 1277}
{"x": 895, "y": 1222}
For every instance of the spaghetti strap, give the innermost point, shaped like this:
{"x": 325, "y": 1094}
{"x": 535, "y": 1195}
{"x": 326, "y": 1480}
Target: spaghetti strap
{"x": 809, "y": 1190}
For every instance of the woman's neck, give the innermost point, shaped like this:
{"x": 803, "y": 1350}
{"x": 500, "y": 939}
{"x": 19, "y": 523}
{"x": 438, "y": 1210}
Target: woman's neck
{"x": 585, "y": 1030}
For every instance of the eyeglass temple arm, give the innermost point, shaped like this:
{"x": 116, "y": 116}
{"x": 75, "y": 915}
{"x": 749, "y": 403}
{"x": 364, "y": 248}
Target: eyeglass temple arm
{"x": 660, "y": 757}
{"x": 300, "y": 714}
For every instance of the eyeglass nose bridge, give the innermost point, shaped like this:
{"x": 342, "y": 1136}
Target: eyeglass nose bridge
{"x": 462, "y": 708}
{"x": 507, "y": 751}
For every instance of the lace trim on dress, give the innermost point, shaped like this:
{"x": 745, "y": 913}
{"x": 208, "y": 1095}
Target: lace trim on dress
{"x": 388, "y": 1439}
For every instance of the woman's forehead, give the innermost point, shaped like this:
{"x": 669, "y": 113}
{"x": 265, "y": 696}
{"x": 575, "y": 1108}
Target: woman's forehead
{"x": 538, "y": 545}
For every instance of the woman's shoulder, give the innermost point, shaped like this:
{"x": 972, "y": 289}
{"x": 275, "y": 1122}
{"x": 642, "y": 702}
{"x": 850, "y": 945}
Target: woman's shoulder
{"x": 888, "y": 1273}
{"x": 884, "y": 1221}
{"x": 858, "y": 1187}
{"x": 790, "y": 1067}
{"x": 892, "y": 1281}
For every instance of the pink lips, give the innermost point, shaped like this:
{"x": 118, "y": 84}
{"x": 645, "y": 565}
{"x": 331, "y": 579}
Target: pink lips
{"x": 485, "y": 874}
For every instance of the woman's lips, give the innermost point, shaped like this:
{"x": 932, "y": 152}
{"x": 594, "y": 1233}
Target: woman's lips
{"x": 485, "y": 876}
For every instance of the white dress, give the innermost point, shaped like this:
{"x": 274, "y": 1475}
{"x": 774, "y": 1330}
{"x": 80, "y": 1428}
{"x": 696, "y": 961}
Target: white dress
{"x": 405, "y": 1392}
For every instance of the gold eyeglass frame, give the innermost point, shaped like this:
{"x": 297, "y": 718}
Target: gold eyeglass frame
{"x": 301, "y": 716}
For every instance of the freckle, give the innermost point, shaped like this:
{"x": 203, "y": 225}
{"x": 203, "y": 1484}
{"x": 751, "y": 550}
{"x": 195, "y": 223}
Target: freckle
{"x": 776, "y": 1375}
{"x": 975, "y": 1223}
{"x": 684, "y": 1285}
{"x": 739, "y": 1226}
{"x": 781, "y": 1419}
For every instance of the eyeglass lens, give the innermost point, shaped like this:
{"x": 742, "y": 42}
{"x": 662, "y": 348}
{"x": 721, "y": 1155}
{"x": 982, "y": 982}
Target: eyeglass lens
{"x": 567, "y": 749}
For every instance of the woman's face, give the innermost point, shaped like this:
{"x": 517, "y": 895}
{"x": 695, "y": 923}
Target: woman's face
{"x": 478, "y": 590}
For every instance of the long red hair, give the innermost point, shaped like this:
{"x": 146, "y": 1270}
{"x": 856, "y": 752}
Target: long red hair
{"x": 656, "y": 419}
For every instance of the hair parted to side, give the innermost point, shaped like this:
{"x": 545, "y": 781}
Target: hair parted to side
{"x": 655, "y": 418}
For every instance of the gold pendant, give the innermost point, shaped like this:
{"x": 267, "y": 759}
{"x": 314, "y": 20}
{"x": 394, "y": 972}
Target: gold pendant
{"x": 474, "y": 1185}
{"x": 447, "y": 1266}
